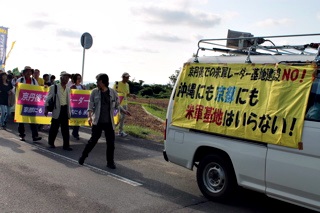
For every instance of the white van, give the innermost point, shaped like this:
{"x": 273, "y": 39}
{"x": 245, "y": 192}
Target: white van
{"x": 262, "y": 156}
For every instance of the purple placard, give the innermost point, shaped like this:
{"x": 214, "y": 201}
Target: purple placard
{"x": 79, "y": 112}
{"x": 32, "y": 110}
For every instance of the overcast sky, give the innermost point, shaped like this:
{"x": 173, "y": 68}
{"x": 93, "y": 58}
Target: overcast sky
{"x": 150, "y": 39}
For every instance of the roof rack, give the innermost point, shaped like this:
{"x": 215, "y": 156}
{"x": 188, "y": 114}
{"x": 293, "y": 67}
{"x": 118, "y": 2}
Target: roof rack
{"x": 241, "y": 43}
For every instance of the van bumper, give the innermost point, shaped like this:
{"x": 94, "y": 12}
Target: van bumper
{"x": 165, "y": 155}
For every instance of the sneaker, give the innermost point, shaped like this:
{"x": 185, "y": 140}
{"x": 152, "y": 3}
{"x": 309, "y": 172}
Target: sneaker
{"x": 76, "y": 137}
{"x": 67, "y": 148}
{"x": 22, "y": 139}
{"x": 123, "y": 134}
{"x": 46, "y": 128}
{"x": 3, "y": 127}
{"x": 111, "y": 165}
{"x": 81, "y": 160}
{"x": 37, "y": 138}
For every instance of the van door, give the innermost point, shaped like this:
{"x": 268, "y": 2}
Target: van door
{"x": 293, "y": 174}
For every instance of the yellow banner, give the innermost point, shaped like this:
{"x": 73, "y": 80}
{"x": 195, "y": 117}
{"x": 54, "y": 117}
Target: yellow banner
{"x": 260, "y": 102}
{"x": 30, "y": 104}
{"x": 116, "y": 113}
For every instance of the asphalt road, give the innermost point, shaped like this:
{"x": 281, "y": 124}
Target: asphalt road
{"x": 36, "y": 178}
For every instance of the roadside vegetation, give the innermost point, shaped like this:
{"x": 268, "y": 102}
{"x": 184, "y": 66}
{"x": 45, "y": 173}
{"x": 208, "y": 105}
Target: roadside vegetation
{"x": 155, "y": 111}
{"x": 148, "y": 111}
{"x": 144, "y": 133}
{"x": 147, "y": 118}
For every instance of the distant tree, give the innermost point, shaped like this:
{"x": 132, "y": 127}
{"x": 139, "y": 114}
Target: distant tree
{"x": 150, "y": 90}
{"x": 134, "y": 87}
{"x": 90, "y": 86}
{"x": 157, "y": 88}
{"x": 173, "y": 78}
{"x": 155, "y": 91}
{"x": 146, "y": 92}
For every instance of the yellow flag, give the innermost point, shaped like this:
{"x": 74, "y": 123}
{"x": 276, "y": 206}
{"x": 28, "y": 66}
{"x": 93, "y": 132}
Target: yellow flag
{"x": 12, "y": 45}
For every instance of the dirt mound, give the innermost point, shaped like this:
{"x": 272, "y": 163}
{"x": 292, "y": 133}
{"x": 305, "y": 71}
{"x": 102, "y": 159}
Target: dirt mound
{"x": 140, "y": 117}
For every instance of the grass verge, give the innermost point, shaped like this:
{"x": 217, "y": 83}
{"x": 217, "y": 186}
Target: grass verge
{"x": 143, "y": 132}
{"x": 156, "y": 111}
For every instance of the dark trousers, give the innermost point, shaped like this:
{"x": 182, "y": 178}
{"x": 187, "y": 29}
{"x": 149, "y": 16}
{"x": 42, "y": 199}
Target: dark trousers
{"x": 33, "y": 127}
{"x": 62, "y": 121}
{"x": 75, "y": 131}
{"x": 96, "y": 134}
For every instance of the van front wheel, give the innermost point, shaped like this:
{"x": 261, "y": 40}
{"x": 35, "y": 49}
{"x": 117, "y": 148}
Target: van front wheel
{"x": 216, "y": 178}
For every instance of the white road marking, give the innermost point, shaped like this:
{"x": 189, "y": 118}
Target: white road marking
{"x": 101, "y": 171}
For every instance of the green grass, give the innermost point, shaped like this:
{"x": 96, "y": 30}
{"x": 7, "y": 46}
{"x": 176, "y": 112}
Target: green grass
{"x": 143, "y": 132}
{"x": 156, "y": 111}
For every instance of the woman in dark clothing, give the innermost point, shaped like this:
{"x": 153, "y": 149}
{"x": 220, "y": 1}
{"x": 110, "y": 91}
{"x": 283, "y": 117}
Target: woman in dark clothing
{"x": 5, "y": 91}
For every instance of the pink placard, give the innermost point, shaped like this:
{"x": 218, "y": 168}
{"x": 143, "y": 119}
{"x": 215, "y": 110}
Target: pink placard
{"x": 31, "y": 97}
{"x": 79, "y": 100}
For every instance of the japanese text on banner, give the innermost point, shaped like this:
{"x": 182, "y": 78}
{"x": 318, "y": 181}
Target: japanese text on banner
{"x": 260, "y": 102}
{"x": 30, "y": 105}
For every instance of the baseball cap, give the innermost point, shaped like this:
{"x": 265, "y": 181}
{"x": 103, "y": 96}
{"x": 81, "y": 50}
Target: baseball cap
{"x": 125, "y": 74}
{"x": 64, "y": 73}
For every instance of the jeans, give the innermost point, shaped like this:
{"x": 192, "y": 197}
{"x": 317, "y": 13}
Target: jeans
{"x": 5, "y": 110}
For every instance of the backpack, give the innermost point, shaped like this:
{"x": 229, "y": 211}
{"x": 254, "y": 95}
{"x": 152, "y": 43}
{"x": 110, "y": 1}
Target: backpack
{"x": 33, "y": 81}
{"x": 52, "y": 101}
{"x": 117, "y": 83}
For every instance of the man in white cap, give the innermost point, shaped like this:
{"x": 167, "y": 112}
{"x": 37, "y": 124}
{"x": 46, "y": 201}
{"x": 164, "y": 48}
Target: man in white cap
{"x": 122, "y": 87}
{"x": 28, "y": 79}
{"x": 61, "y": 112}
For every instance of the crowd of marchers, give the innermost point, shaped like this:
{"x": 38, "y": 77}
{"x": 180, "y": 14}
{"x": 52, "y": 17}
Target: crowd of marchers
{"x": 103, "y": 102}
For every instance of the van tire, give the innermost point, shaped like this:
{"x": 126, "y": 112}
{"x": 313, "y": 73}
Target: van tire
{"x": 215, "y": 177}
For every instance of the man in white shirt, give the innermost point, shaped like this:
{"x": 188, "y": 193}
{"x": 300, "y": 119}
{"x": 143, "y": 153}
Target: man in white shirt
{"x": 61, "y": 112}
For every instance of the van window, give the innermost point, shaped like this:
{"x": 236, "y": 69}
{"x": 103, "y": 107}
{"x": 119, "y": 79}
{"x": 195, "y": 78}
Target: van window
{"x": 313, "y": 108}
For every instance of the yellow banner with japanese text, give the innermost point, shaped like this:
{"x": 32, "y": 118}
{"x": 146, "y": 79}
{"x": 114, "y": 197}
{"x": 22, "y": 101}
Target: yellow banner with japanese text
{"x": 30, "y": 105}
{"x": 259, "y": 102}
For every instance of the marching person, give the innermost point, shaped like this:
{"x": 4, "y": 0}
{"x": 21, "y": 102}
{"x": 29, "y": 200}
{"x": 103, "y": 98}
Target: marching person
{"x": 103, "y": 102}
{"x": 28, "y": 79}
{"x": 61, "y": 112}
{"x": 36, "y": 75}
{"x": 47, "y": 83}
{"x": 123, "y": 87}
{"x": 5, "y": 93}
{"x": 76, "y": 80}
{"x": 46, "y": 80}
{"x": 52, "y": 79}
